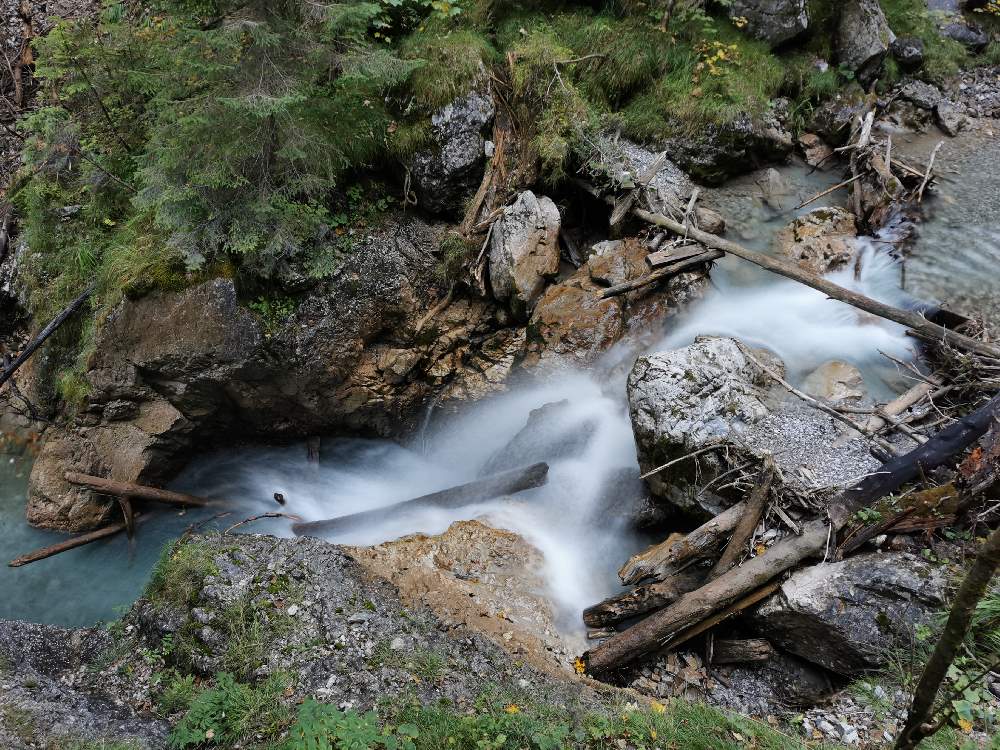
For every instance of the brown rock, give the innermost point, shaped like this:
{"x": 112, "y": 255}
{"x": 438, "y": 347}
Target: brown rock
{"x": 617, "y": 261}
{"x": 821, "y": 241}
{"x": 835, "y": 381}
{"x": 816, "y": 152}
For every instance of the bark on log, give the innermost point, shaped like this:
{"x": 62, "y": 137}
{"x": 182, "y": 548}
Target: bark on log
{"x": 669, "y": 257}
{"x": 747, "y": 523}
{"x": 132, "y": 490}
{"x": 659, "y": 629}
{"x": 793, "y": 271}
{"x": 640, "y": 600}
{"x": 73, "y": 542}
{"x": 660, "y": 560}
{"x": 46, "y": 332}
{"x": 725, "y": 651}
{"x": 504, "y": 483}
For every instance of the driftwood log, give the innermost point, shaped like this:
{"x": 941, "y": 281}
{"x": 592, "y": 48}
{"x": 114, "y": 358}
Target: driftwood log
{"x": 909, "y": 318}
{"x": 73, "y": 542}
{"x": 669, "y": 625}
{"x": 747, "y": 523}
{"x": 134, "y": 491}
{"x": 642, "y": 599}
{"x": 661, "y": 560}
{"x": 504, "y": 483}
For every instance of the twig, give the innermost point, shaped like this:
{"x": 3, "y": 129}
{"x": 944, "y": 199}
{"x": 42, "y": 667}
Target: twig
{"x": 668, "y": 464}
{"x": 259, "y": 516}
{"x": 927, "y": 174}
{"x": 816, "y": 197}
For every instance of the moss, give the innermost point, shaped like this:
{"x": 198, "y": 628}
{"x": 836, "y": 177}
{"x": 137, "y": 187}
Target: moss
{"x": 455, "y": 253}
{"x": 179, "y": 574}
{"x": 943, "y": 57}
{"x": 451, "y": 62}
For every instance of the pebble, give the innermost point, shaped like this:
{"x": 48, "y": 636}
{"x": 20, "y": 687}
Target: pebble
{"x": 398, "y": 644}
{"x": 293, "y": 610}
{"x": 359, "y": 617}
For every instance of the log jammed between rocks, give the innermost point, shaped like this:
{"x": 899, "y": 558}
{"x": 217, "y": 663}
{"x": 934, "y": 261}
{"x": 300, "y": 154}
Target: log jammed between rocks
{"x": 913, "y": 320}
{"x": 132, "y": 490}
{"x": 504, "y": 483}
{"x": 660, "y": 560}
{"x": 726, "y": 651}
{"x": 747, "y": 523}
{"x": 688, "y": 614}
{"x": 641, "y": 599}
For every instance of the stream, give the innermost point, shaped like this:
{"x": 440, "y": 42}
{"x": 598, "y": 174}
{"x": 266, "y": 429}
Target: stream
{"x": 563, "y": 519}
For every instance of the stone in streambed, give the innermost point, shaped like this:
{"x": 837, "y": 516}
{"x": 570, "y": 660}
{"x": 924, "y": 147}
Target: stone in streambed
{"x": 816, "y": 153}
{"x": 821, "y": 241}
{"x": 524, "y": 252}
{"x": 835, "y": 381}
{"x": 772, "y": 21}
{"x": 848, "y": 616}
{"x": 950, "y": 118}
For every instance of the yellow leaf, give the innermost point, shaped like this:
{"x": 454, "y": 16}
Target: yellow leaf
{"x": 760, "y": 549}
{"x": 658, "y": 707}
{"x": 965, "y": 725}
{"x": 513, "y": 708}
{"x": 579, "y": 666}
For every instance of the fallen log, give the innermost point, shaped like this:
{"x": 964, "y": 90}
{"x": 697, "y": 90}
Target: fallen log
{"x": 132, "y": 490}
{"x": 504, "y": 483}
{"x": 748, "y": 650}
{"x": 666, "y": 627}
{"x": 36, "y": 342}
{"x": 73, "y": 542}
{"x": 667, "y": 257}
{"x": 903, "y": 402}
{"x": 659, "y": 561}
{"x": 914, "y": 320}
{"x": 747, "y": 523}
{"x": 641, "y": 599}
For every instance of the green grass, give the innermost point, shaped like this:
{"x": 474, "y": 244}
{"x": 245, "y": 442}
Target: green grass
{"x": 180, "y": 572}
{"x": 421, "y": 662}
{"x": 942, "y": 57}
{"x": 451, "y": 62}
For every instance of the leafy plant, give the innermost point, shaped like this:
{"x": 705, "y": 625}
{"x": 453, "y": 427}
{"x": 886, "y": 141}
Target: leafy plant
{"x": 320, "y": 726}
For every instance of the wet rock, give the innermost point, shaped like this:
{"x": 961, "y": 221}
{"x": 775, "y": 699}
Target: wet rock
{"x": 616, "y": 261}
{"x": 774, "y": 189}
{"x": 553, "y": 431}
{"x": 816, "y": 153}
{"x": 623, "y": 501}
{"x": 908, "y": 52}
{"x": 834, "y": 119}
{"x": 822, "y": 240}
{"x": 950, "y": 118}
{"x": 847, "y": 616}
{"x": 969, "y": 34}
{"x": 572, "y": 324}
{"x": 722, "y": 151}
{"x": 835, "y": 381}
{"x": 922, "y": 94}
{"x": 447, "y": 175}
{"x": 524, "y": 252}
{"x": 863, "y": 38}
{"x": 773, "y": 21}
{"x": 13, "y": 287}
{"x": 684, "y": 400}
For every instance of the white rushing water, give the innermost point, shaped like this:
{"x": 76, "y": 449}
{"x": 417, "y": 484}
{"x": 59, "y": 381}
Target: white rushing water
{"x": 587, "y": 442}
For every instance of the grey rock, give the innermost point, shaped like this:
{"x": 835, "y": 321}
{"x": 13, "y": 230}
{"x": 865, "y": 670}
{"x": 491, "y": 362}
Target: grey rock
{"x": 863, "y": 38}
{"x": 834, "y": 119}
{"x": 847, "y": 616}
{"x": 553, "y": 431}
{"x": 773, "y": 21}
{"x": 780, "y": 683}
{"x": 524, "y": 252}
{"x": 950, "y": 118}
{"x": 447, "y": 175}
{"x": 359, "y": 617}
{"x": 971, "y": 35}
{"x": 13, "y": 287}
{"x": 908, "y": 52}
{"x": 922, "y": 94}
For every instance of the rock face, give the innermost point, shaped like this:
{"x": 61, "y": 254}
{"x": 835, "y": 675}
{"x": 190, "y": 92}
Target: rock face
{"x": 863, "y": 38}
{"x": 821, "y": 241}
{"x": 711, "y": 406}
{"x": 684, "y": 400}
{"x": 773, "y": 21}
{"x": 176, "y": 365}
{"x": 524, "y": 251}
{"x": 720, "y": 152}
{"x": 448, "y": 174}
{"x": 909, "y": 52}
{"x": 846, "y": 616}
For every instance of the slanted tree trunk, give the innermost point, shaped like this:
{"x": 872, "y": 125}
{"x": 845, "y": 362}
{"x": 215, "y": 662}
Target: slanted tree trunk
{"x": 918, "y": 721}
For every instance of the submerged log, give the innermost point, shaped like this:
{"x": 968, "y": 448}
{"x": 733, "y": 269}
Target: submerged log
{"x": 73, "y": 542}
{"x": 504, "y": 483}
{"x": 689, "y": 613}
{"x": 660, "y": 560}
{"x": 134, "y": 491}
{"x": 641, "y": 599}
{"x": 725, "y": 651}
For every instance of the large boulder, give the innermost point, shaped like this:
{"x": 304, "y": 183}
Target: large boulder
{"x": 447, "y": 174}
{"x": 969, "y": 34}
{"x": 524, "y": 251}
{"x": 707, "y": 409}
{"x": 821, "y": 241}
{"x": 908, "y": 52}
{"x": 773, "y": 21}
{"x": 833, "y": 119}
{"x": 863, "y": 38}
{"x": 848, "y": 616}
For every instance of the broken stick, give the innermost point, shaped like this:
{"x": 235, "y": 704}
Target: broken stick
{"x": 73, "y": 543}
{"x": 504, "y": 483}
{"x": 662, "y": 273}
{"x": 747, "y": 523}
